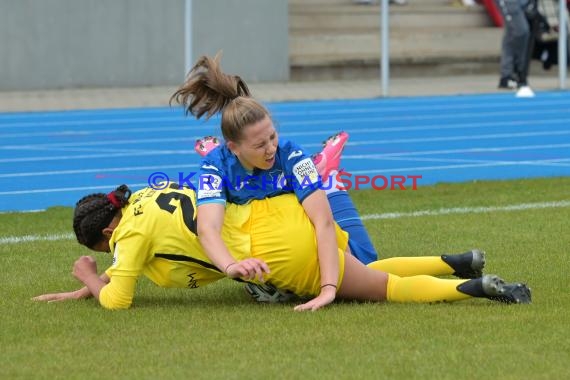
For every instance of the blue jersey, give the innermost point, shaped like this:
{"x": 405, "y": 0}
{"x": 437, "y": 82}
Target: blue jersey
{"x": 223, "y": 179}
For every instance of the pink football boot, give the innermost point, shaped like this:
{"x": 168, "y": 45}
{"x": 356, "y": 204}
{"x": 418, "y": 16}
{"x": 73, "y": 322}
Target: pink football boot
{"x": 329, "y": 158}
{"x": 205, "y": 145}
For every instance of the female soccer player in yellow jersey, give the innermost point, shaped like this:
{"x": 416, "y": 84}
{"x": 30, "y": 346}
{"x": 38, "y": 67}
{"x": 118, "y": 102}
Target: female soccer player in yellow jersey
{"x": 153, "y": 233}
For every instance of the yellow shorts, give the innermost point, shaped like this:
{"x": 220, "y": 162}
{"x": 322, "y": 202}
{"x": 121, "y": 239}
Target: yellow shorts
{"x": 281, "y": 234}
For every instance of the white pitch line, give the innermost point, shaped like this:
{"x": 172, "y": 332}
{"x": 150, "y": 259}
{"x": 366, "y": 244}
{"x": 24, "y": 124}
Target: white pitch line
{"x": 389, "y": 215}
{"x": 32, "y": 238}
{"x": 467, "y": 210}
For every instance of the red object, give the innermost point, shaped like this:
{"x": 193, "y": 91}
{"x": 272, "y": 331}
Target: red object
{"x": 113, "y": 199}
{"x": 494, "y": 12}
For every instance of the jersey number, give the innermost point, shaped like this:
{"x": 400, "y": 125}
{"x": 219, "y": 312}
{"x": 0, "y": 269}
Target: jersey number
{"x": 163, "y": 201}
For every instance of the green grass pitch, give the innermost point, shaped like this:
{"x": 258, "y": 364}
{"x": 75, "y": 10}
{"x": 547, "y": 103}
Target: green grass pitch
{"x": 217, "y": 332}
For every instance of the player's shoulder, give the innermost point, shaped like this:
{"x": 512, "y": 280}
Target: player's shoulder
{"x": 291, "y": 152}
{"x": 288, "y": 145}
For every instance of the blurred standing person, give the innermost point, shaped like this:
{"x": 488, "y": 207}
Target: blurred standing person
{"x": 515, "y": 44}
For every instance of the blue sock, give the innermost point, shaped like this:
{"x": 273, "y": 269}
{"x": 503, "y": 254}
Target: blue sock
{"x": 347, "y": 217}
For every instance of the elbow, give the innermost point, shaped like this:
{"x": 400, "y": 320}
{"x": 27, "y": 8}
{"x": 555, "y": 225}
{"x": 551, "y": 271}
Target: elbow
{"x": 207, "y": 234}
{"x": 116, "y": 305}
{"x": 326, "y": 222}
{"x": 202, "y": 231}
{"x": 114, "y": 300}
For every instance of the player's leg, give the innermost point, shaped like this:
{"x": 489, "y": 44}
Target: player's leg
{"x": 344, "y": 212}
{"x": 328, "y": 159}
{"x": 507, "y": 62}
{"x": 362, "y": 283}
{"x": 347, "y": 217}
{"x": 465, "y": 265}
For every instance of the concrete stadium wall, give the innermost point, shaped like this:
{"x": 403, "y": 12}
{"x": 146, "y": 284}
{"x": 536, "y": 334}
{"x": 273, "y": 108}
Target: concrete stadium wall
{"x": 50, "y": 44}
{"x": 254, "y": 36}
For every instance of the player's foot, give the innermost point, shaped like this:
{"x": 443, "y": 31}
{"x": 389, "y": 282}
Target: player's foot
{"x": 507, "y": 83}
{"x": 525, "y": 92}
{"x": 269, "y": 293}
{"x": 329, "y": 158}
{"x": 206, "y": 145}
{"x": 496, "y": 289}
{"x": 466, "y": 265}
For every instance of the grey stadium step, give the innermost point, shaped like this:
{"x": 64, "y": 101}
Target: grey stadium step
{"x": 339, "y": 40}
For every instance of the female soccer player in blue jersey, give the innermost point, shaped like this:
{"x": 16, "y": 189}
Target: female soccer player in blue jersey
{"x": 153, "y": 233}
{"x": 255, "y": 164}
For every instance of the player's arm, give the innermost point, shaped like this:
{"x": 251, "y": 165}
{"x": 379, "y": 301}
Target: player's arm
{"x": 210, "y": 222}
{"x": 306, "y": 182}
{"x": 85, "y": 270}
{"x": 318, "y": 210}
{"x": 117, "y": 293}
{"x": 82, "y": 293}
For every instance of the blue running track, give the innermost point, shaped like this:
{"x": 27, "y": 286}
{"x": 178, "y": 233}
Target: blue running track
{"x": 54, "y": 158}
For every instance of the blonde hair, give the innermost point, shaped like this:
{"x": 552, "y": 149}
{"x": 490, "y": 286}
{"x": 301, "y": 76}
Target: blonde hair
{"x": 207, "y": 91}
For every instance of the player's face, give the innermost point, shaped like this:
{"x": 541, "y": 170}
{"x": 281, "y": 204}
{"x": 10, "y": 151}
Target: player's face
{"x": 258, "y": 145}
{"x": 102, "y": 246}
{"x": 107, "y": 232}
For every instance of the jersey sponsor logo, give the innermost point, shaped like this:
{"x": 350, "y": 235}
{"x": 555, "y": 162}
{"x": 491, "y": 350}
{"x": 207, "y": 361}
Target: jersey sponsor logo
{"x": 306, "y": 172}
{"x": 192, "y": 282}
{"x": 281, "y": 181}
{"x": 210, "y": 186}
{"x": 211, "y": 167}
{"x": 209, "y": 194}
{"x": 115, "y": 255}
{"x": 210, "y": 182}
{"x": 137, "y": 210}
{"x": 295, "y": 153}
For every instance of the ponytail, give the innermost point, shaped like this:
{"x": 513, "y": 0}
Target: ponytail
{"x": 207, "y": 91}
{"x": 94, "y": 212}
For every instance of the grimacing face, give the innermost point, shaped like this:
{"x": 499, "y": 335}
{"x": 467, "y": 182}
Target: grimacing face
{"x": 258, "y": 145}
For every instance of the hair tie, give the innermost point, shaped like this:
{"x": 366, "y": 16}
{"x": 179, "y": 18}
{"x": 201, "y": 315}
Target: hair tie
{"x": 113, "y": 199}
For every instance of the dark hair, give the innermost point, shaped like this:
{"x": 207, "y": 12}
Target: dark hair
{"x": 207, "y": 91}
{"x": 94, "y": 212}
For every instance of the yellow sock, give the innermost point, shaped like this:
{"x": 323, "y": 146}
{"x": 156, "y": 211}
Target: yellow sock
{"x": 423, "y": 289}
{"x": 413, "y": 266}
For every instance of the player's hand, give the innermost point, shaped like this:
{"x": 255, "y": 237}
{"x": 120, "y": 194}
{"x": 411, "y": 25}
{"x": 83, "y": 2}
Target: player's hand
{"x": 84, "y": 267}
{"x": 248, "y": 269}
{"x": 328, "y": 294}
{"x": 57, "y": 297}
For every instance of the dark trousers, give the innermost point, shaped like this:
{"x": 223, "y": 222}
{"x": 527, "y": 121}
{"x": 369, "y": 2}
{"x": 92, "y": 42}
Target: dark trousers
{"x": 516, "y": 37}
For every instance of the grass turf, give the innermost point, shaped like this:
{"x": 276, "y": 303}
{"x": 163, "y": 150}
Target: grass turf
{"x": 217, "y": 332}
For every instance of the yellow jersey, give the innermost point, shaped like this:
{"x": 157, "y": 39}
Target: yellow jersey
{"x": 156, "y": 237}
